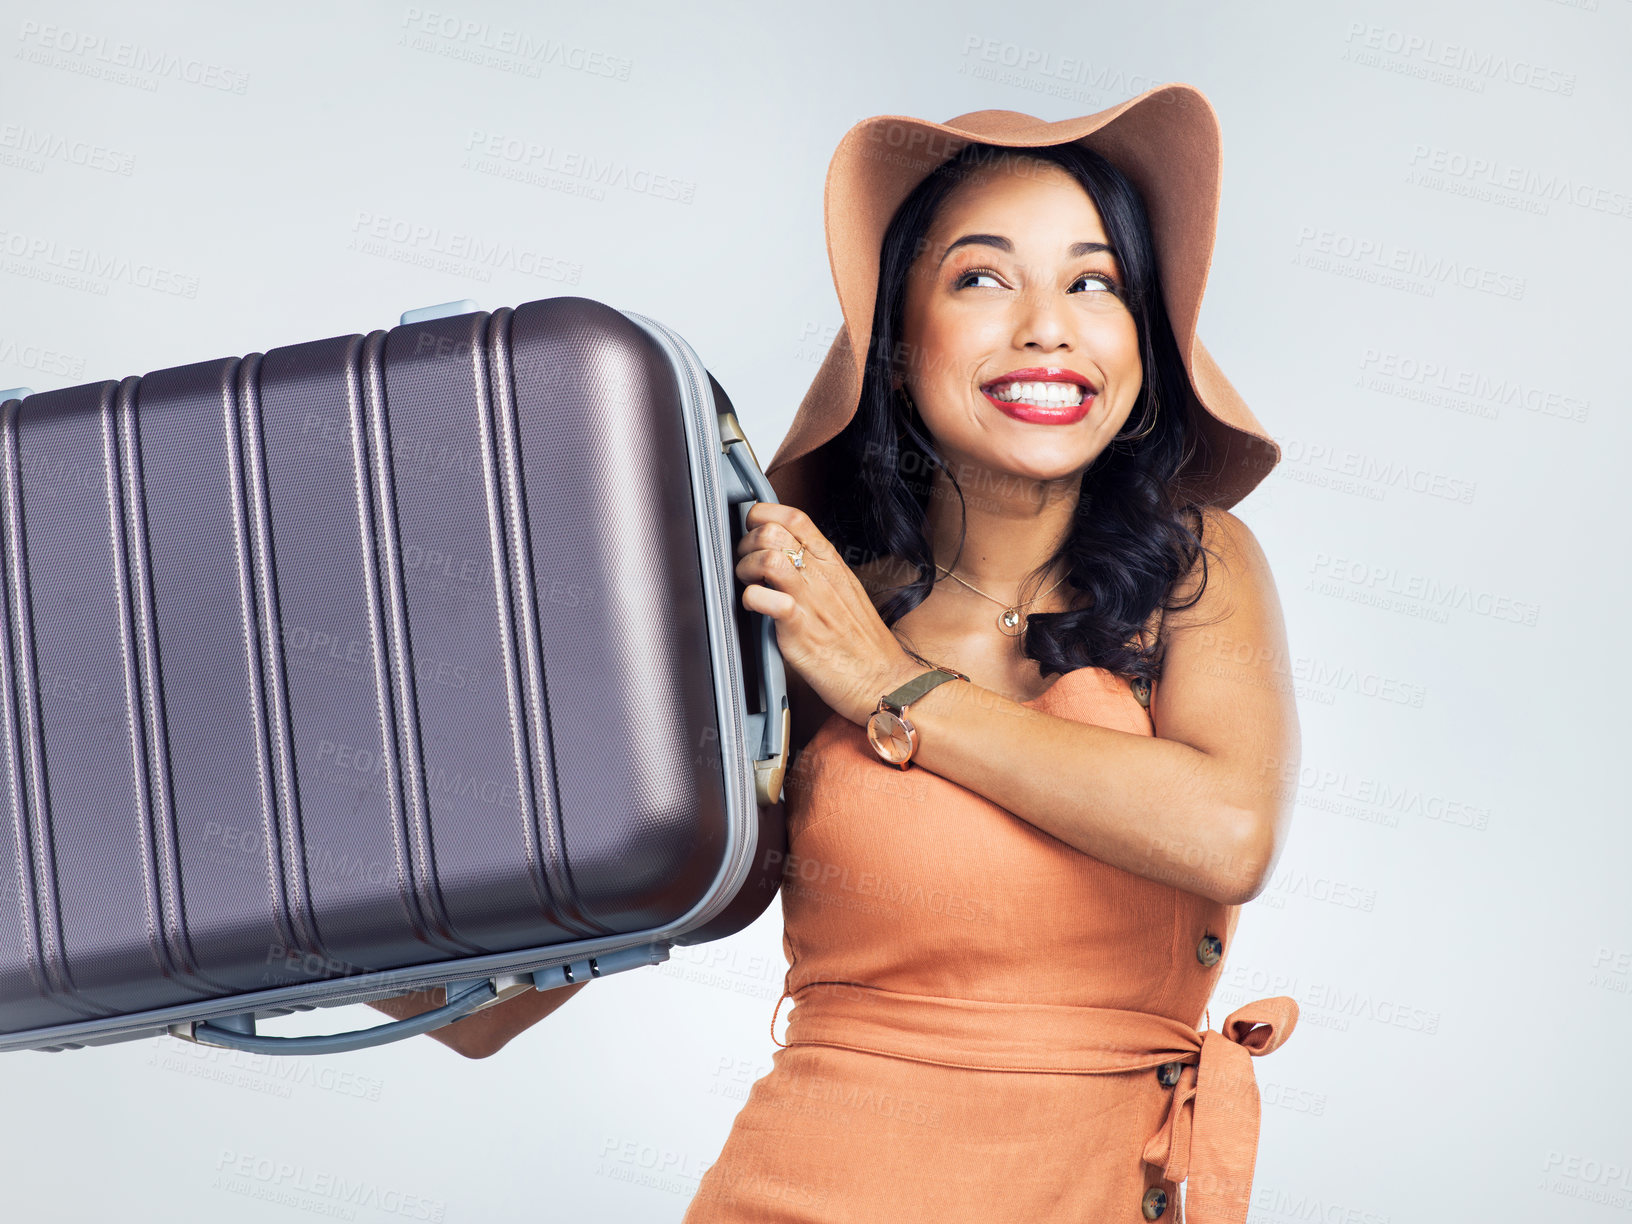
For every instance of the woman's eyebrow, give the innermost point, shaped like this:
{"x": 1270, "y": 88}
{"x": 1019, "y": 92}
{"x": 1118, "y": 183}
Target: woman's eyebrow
{"x": 1003, "y": 244}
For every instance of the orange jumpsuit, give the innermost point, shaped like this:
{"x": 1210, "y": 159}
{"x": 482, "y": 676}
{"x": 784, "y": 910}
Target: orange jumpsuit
{"x": 987, "y": 1024}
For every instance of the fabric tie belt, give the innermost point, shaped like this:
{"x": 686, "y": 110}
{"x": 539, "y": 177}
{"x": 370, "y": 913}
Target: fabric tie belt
{"x": 1210, "y": 1135}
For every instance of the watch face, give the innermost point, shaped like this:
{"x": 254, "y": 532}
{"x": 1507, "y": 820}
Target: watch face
{"x": 890, "y": 737}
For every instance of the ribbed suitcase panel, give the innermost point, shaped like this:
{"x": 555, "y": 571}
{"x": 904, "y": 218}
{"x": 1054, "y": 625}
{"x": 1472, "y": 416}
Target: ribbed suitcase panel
{"x": 217, "y": 779}
{"x": 102, "y": 885}
{"x": 614, "y": 553}
{"x": 31, "y": 955}
{"x": 331, "y": 637}
{"x": 465, "y": 760}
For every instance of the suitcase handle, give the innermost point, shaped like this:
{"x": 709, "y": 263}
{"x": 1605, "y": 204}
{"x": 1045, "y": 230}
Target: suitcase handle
{"x": 465, "y": 997}
{"x": 238, "y": 1032}
{"x": 769, "y": 733}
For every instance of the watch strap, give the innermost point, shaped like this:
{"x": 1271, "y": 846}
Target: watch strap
{"x": 915, "y": 688}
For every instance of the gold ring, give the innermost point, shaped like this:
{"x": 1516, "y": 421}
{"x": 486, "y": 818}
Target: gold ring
{"x": 797, "y": 556}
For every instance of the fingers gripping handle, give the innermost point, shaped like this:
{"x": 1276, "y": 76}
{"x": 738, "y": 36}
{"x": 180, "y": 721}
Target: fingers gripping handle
{"x": 768, "y": 733}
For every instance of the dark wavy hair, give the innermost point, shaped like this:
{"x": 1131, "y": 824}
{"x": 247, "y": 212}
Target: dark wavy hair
{"x": 1137, "y": 528}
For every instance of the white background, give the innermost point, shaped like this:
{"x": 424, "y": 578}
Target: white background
{"x": 1446, "y": 526}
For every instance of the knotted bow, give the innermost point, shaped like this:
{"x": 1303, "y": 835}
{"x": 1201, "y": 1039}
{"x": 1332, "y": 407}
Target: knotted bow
{"x": 1212, "y": 1120}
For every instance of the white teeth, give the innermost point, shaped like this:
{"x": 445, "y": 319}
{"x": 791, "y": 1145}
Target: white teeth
{"x": 1039, "y": 394}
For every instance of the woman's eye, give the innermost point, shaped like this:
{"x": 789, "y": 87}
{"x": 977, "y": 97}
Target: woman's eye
{"x": 1099, "y": 279}
{"x": 973, "y": 277}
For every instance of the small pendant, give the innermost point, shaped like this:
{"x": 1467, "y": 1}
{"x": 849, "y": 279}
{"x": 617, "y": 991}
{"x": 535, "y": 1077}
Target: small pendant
{"x": 1009, "y": 622}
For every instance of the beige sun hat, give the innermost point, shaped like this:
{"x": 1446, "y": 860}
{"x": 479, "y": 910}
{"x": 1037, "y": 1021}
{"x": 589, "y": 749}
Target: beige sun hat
{"x": 1166, "y": 141}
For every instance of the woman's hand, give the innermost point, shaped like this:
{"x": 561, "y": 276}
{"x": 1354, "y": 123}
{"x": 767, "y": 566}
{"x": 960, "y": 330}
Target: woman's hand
{"x": 826, "y": 626}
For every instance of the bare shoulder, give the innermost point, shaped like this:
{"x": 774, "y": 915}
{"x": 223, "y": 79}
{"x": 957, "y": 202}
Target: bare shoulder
{"x": 1232, "y": 570}
{"x": 1226, "y": 683}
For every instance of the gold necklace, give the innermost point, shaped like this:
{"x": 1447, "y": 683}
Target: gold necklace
{"x": 1009, "y": 621}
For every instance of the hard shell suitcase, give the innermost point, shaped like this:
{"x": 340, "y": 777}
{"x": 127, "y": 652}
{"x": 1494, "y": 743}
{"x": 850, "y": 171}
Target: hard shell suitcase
{"x": 372, "y": 664}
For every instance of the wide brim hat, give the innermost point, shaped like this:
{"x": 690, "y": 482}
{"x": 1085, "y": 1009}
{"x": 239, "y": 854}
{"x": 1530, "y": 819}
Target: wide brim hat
{"x": 1168, "y": 144}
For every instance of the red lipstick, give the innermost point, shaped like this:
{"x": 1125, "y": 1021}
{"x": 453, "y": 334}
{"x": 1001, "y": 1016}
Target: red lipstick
{"x": 1063, "y": 414}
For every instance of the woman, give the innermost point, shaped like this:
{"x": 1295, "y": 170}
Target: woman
{"x": 1015, "y": 865}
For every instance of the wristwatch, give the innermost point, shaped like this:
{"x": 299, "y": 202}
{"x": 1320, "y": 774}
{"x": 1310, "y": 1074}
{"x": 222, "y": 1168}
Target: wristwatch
{"x": 892, "y": 736}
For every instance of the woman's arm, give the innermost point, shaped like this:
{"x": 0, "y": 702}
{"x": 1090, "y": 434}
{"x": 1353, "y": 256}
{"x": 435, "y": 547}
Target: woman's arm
{"x": 1205, "y": 806}
{"x": 488, "y": 1031}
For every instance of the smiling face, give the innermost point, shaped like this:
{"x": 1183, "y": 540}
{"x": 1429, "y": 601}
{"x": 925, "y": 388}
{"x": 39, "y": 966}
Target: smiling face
{"x": 1019, "y": 351}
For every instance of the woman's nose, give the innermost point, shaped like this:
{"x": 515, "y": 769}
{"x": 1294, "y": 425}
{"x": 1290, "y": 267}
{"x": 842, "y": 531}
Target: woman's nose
{"x": 1041, "y": 321}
